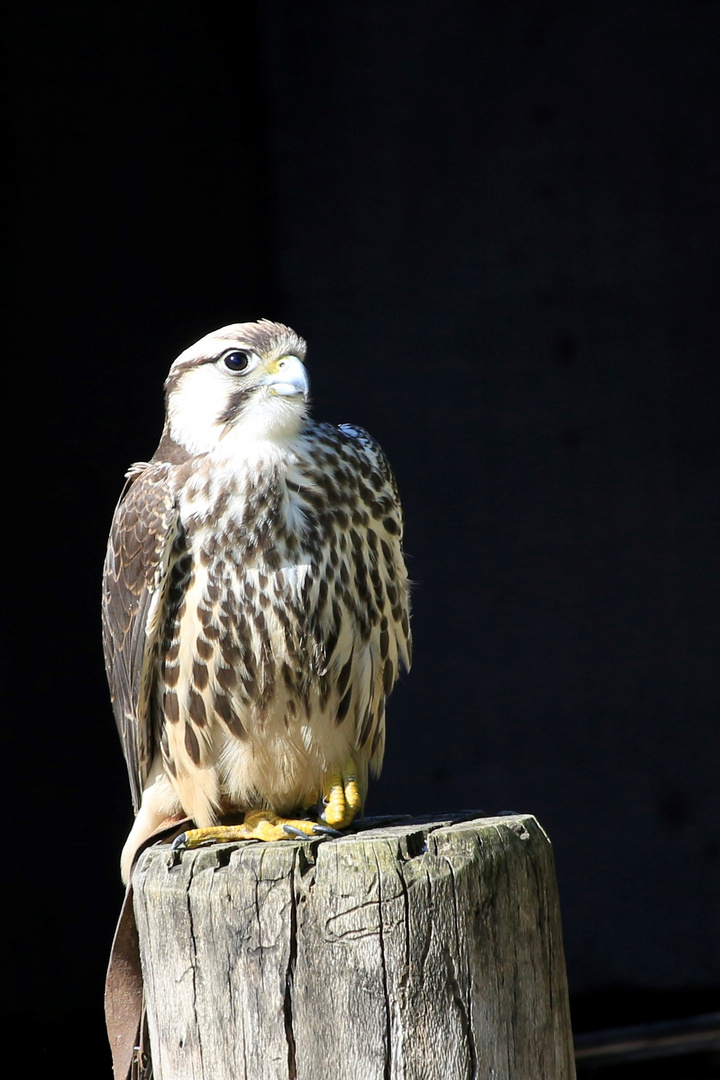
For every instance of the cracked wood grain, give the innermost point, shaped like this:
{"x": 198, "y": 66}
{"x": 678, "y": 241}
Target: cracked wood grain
{"x": 428, "y": 950}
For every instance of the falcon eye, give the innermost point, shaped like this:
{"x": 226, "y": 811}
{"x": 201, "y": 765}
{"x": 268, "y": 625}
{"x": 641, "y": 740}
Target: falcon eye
{"x": 236, "y": 361}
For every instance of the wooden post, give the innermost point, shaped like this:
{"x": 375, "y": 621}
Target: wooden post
{"x": 430, "y": 949}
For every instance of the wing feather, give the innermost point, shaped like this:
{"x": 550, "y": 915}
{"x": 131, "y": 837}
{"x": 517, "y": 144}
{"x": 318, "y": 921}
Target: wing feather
{"x": 390, "y": 644}
{"x": 134, "y": 582}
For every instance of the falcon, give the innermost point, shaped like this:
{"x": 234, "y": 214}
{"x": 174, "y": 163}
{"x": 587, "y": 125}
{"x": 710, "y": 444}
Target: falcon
{"x": 255, "y": 602}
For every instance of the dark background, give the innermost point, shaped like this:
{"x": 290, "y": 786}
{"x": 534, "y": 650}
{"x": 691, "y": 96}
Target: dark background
{"x": 497, "y": 227}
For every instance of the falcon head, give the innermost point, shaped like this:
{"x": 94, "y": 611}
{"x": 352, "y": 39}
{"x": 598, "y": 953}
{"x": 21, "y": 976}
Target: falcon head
{"x": 243, "y": 383}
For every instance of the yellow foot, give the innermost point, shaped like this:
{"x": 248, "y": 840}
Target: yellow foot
{"x": 341, "y": 796}
{"x": 258, "y": 825}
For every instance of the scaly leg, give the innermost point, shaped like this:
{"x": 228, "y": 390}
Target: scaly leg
{"x": 258, "y": 825}
{"x": 342, "y": 796}
{"x": 342, "y": 799}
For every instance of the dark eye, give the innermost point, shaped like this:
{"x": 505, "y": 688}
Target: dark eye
{"x": 236, "y": 361}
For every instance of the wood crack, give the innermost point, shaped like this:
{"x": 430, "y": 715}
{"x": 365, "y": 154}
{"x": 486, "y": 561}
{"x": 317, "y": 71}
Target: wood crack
{"x": 387, "y": 1070}
{"x": 193, "y": 962}
{"x": 290, "y": 978}
{"x": 463, "y": 1006}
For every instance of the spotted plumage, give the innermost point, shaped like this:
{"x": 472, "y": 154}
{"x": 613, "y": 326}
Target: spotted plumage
{"x": 255, "y": 604}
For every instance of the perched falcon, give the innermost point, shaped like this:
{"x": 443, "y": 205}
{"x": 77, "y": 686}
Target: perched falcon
{"x": 255, "y": 601}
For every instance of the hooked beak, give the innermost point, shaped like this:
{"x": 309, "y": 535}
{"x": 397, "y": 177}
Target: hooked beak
{"x": 288, "y": 378}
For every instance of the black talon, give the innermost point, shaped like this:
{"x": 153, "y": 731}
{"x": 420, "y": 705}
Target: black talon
{"x": 326, "y": 830}
{"x": 179, "y": 843}
{"x": 318, "y": 830}
{"x": 295, "y": 833}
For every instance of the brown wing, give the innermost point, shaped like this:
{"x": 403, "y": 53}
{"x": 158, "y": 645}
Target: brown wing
{"x": 134, "y": 581}
{"x": 390, "y": 638}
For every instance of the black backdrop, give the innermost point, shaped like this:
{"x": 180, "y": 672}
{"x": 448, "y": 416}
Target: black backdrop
{"x": 497, "y": 227}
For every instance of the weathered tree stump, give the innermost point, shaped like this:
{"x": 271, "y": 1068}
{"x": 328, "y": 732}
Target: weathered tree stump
{"x": 430, "y": 949}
